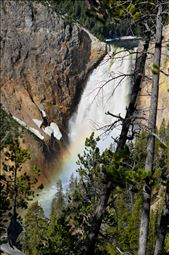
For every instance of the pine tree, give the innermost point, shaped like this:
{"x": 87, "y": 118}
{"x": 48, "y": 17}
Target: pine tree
{"x": 139, "y": 13}
{"x": 16, "y": 188}
{"x": 35, "y": 230}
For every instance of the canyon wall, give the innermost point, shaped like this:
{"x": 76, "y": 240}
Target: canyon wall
{"x": 44, "y": 63}
{"x": 145, "y": 93}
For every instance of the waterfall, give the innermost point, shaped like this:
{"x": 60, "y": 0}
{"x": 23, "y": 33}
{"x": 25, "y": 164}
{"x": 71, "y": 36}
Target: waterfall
{"x": 107, "y": 89}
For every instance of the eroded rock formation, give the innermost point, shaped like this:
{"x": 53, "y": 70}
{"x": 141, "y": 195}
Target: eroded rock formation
{"x": 44, "y": 63}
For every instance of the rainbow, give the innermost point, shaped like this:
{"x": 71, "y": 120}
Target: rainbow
{"x": 69, "y": 157}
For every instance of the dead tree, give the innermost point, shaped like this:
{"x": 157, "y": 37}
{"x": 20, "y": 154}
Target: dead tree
{"x": 144, "y": 224}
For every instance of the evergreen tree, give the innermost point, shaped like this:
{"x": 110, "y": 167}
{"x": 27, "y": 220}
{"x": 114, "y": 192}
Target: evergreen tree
{"x": 139, "y": 13}
{"x": 9, "y": 131}
{"x": 72, "y": 213}
{"x": 34, "y": 237}
{"x": 16, "y": 188}
{"x": 58, "y": 201}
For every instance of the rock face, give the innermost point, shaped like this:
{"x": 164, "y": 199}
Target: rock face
{"x": 163, "y": 102}
{"x": 44, "y": 63}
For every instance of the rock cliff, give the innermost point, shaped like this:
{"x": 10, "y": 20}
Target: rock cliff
{"x": 44, "y": 63}
{"x": 163, "y": 102}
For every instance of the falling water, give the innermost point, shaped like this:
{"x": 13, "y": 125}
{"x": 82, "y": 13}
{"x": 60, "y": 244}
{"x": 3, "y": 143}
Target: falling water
{"x": 107, "y": 89}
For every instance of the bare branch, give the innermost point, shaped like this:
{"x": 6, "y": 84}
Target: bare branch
{"x": 166, "y": 74}
{"x": 161, "y": 142}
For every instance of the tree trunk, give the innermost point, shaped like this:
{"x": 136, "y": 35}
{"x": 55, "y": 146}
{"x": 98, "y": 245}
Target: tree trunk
{"x": 97, "y": 219}
{"x": 151, "y": 139}
{"x": 162, "y": 230}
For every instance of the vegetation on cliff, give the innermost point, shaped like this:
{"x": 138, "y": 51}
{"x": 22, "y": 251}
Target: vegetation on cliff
{"x": 16, "y": 189}
{"x": 120, "y": 202}
{"x": 79, "y": 11}
{"x": 66, "y": 231}
{"x": 9, "y": 129}
{"x": 99, "y": 20}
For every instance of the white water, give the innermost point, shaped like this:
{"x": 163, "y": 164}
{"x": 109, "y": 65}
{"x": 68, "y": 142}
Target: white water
{"x": 106, "y": 90}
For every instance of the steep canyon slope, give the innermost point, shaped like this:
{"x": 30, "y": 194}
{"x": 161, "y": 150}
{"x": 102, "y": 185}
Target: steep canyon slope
{"x": 163, "y": 102}
{"x": 44, "y": 63}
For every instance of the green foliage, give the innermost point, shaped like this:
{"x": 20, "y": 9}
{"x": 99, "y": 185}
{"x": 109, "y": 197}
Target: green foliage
{"x": 136, "y": 16}
{"x": 128, "y": 218}
{"x": 132, "y": 9}
{"x": 167, "y": 45}
{"x": 75, "y": 11}
{"x": 108, "y": 18}
{"x": 35, "y": 230}
{"x": 58, "y": 204}
{"x": 101, "y": 20}
{"x": 155, "y": 69}
{"x": 72, "y": 212}
{"x": 167, "y": 244}
{"x": 9, "y": 129}
{"x": 15, "y": 189}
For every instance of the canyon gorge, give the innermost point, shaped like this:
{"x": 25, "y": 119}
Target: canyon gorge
{"x": 84, "y": 127}
{"x": 45, "y": 63}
